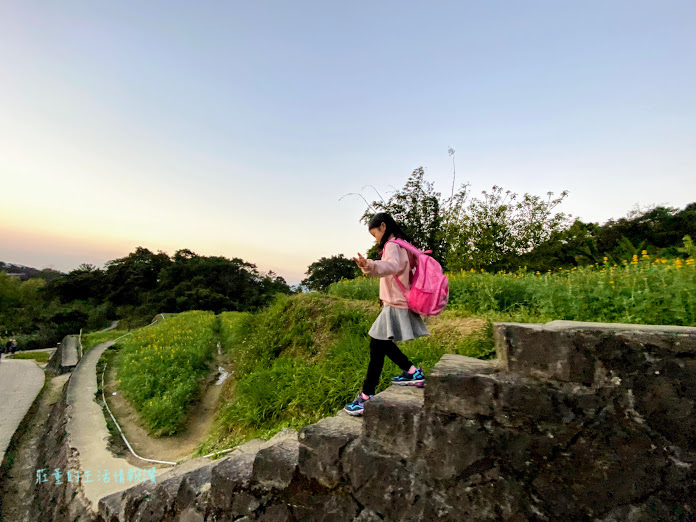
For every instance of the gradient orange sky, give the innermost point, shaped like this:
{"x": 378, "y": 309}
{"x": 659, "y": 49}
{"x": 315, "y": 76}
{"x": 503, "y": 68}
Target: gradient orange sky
{"x": 233, "y": 129}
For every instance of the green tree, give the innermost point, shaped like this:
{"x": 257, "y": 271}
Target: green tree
{"x": 272, "y": 284}
{"x": 130, "y": 278}
{"x": 689, "y": 249}
{"x": 215, "y": 283}
{"x": 84, "y": 283}
{"x": 658, "y": 229}
{"x": 418, "y": 208}
{"x": 489, "y": 232}
{"x": 326, "y": 271}
{"x": 495, "y": 230}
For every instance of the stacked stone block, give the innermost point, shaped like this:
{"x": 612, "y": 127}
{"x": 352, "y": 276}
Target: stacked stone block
{"x": 572, "y": 421}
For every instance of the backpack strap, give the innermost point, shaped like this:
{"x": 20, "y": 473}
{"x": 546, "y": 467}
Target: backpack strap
{"x": 408, "y": 246}
{"x": 401, "y": 285}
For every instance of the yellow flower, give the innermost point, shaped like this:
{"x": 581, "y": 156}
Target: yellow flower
{"x": 611, "y": 282}
{"x": 606, "y": 259}
{"x": 538, "y": 273}
{"x": 644, "y": 252}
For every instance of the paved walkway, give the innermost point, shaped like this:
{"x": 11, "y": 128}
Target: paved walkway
{"x": 20, "y": 383}
{"x": 113, "y": 325}
{"x": 88, "y": 433}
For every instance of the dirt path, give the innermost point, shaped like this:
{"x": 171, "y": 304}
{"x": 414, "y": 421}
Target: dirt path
{"x": 172, "y": 448}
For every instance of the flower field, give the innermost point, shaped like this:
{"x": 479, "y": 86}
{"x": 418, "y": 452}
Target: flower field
{"x": 161, "y": 368}
{"x": 645, "y": 290}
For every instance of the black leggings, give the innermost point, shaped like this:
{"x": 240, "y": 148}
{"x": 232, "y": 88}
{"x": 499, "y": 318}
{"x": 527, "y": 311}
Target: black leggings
{"x": 378, "y": 349}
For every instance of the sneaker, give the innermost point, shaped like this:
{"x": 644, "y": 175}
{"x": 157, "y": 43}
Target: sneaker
{"x": 357, "y": 407}
{"x": 407, "y": 379}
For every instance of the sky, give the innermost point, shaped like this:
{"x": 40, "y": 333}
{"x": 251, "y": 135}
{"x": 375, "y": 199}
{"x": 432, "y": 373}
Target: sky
{"x": 235, "y": 128}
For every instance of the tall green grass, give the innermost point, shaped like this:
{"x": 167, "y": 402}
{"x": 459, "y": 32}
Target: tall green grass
{"x": 38, "y": 356}
{"x": 648, "y": 291}
{"x": 362, "y": 287}
{"x": 161, "y": 368}
{"x": 303, "y": 358}
{"x": 90, "y": 340}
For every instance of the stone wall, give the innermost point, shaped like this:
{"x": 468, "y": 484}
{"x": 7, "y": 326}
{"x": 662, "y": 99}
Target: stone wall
{"x": 572, "y": 421}
{"x": 54, "y": 366}
{"x": 65, "y": 358}
{"x": 57, "y": 503}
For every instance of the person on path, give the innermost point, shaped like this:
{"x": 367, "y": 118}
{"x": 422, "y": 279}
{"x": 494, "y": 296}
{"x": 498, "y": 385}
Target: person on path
{"x": 395, "y": 322}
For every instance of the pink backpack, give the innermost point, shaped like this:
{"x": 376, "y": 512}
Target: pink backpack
{"x": 430, "y": 288}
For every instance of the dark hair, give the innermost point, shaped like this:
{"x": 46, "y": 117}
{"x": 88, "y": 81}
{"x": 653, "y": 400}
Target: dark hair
{"x": 392, "y": 228}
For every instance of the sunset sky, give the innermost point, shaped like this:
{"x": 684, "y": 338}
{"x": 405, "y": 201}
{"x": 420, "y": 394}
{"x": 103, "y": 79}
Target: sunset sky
{"x": 233, "y": 128}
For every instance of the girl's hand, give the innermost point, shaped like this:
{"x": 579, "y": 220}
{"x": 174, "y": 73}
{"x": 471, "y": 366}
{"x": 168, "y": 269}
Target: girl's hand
{"x": 360, "y": 261}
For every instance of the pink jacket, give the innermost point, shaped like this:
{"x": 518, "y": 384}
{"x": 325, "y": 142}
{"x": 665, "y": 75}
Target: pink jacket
{"x": 395, "y": 260}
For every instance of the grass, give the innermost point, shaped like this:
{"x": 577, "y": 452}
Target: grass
{"x": 114, "y": 441}
{"x": 646, "y": 290}
{"x": 161, "y": 368}
{"x": 363, "y": 288}
{"x": 41, "y": 357}
{"x": 91, "y": 340}
{"x": 305, "y": 356}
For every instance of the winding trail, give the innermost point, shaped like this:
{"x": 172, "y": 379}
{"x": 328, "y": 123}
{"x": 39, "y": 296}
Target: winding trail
{"x": 88, "y": 433}
{"x": 20, "y": 383}
{"x": 113, "y": 325}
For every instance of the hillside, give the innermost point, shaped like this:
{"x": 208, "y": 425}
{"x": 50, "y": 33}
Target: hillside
{"x": 292, "y": 363}
{"x": 27, "y": 272}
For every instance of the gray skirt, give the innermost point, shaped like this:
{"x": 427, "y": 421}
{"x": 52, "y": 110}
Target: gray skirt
{"x": 397, "y": 324}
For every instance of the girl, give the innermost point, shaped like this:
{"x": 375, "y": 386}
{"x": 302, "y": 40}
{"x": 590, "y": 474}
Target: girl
{"x": 395, "y": 322}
